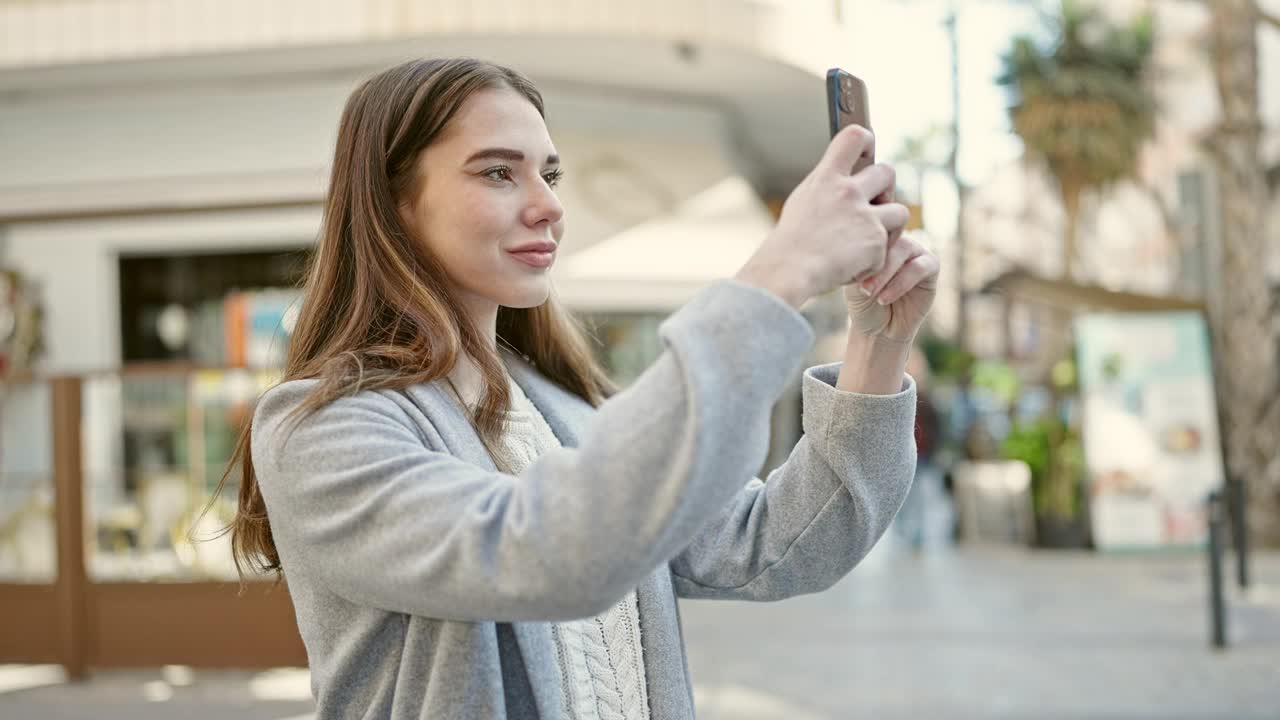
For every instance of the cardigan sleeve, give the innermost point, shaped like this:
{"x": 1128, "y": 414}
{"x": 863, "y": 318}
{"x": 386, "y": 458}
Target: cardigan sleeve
{"x": 360, "y": 506}
{"x": 821, "y": 511}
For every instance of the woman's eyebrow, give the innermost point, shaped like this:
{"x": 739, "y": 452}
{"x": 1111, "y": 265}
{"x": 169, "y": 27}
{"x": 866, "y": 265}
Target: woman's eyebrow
{"x": 498, "y": 153}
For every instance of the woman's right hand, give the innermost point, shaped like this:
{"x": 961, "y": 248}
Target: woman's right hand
{"x": 829, "y": 232}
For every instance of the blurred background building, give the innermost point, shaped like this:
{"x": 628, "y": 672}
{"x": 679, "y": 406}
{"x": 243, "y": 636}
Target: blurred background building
{"x": 165, "y": 163}
{"x": 165, "y": 167}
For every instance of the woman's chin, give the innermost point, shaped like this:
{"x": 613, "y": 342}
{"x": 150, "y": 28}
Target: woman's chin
{"x": 529, "y": 295}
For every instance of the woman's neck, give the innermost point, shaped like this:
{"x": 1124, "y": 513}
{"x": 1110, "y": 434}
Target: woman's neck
{"x": 467, "y": 380}
{"x": 465, "y": 376}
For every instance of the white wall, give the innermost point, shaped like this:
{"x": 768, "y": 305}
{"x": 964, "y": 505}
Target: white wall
{"x": 166, "y": 133}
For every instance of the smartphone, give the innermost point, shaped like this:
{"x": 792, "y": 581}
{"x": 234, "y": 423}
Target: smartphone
{"x": 847, "y": 104}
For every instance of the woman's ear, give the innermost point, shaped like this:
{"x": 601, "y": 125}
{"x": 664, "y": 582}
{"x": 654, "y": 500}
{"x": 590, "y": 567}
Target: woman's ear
{"x": 408, "y": 218}
{"x": 406, "y": 191}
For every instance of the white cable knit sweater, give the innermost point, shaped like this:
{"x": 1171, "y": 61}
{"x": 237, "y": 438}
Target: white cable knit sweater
{"x": 601, "y": 661}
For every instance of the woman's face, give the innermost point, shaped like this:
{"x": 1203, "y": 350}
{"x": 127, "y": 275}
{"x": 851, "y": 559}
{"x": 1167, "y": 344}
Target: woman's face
{"x": 484, "y": 195}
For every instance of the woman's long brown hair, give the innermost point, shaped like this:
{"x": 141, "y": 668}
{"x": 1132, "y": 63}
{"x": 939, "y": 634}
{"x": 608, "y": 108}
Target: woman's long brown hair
{"x": 377, "y": 312}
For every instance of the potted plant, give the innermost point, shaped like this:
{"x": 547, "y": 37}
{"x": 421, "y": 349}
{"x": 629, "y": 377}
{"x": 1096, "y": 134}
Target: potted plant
{"x": 1053, "y": 451}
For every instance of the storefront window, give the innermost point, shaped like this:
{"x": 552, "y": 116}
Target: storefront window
{"x": 156, "y": 444}
{"x": 212, "y": 310}
{"x": 28, "y": 548}
{"x": 202, "y": 336}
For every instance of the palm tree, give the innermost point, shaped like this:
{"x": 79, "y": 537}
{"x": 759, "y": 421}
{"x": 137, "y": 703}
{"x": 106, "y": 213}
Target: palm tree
{"x": 1082, "y": 105}
{"x": 1241, "y": 315}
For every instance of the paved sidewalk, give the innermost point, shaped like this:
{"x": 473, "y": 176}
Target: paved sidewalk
{"x": 995, "y": 634}
{"x": 963, "y": 634}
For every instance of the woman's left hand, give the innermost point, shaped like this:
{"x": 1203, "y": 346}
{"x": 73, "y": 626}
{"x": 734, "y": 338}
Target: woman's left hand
{"x": 906, "y": 286}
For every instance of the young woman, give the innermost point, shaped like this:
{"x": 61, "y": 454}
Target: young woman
{"x": 471, "y": 523}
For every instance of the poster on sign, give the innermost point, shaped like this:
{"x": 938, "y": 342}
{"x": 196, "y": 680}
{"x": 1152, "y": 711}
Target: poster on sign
{"x": 1151, "y": 440}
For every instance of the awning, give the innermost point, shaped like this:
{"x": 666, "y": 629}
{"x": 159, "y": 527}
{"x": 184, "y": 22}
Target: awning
{"x": 658, "y": 265}
{"x": 1024, "y": 287}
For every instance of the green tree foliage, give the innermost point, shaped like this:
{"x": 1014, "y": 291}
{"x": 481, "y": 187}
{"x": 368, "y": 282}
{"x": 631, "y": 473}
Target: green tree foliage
{"x": 1082, "y": 104}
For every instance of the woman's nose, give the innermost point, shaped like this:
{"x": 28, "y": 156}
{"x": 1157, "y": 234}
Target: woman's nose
{"x": 544, "y": 206}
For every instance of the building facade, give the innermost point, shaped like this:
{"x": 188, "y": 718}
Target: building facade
{"x": 165, "y": 166}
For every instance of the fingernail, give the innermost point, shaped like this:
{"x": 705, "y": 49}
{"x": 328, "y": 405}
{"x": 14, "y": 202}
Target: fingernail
{"x": 882, "y": 301}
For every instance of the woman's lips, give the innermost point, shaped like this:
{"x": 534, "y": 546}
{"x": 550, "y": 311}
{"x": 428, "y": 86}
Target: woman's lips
{"x": 535, "y": 258}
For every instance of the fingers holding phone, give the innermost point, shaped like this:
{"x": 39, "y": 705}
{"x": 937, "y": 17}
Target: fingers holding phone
{"x": 829, "y": 233}
{"x": 837, "y": 225}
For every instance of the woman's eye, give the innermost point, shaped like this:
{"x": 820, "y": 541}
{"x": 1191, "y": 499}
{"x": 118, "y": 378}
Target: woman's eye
{"x": 503, "y": 173}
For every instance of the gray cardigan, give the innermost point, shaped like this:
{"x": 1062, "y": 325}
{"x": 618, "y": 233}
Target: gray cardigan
{"x": 424, "y": 580}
